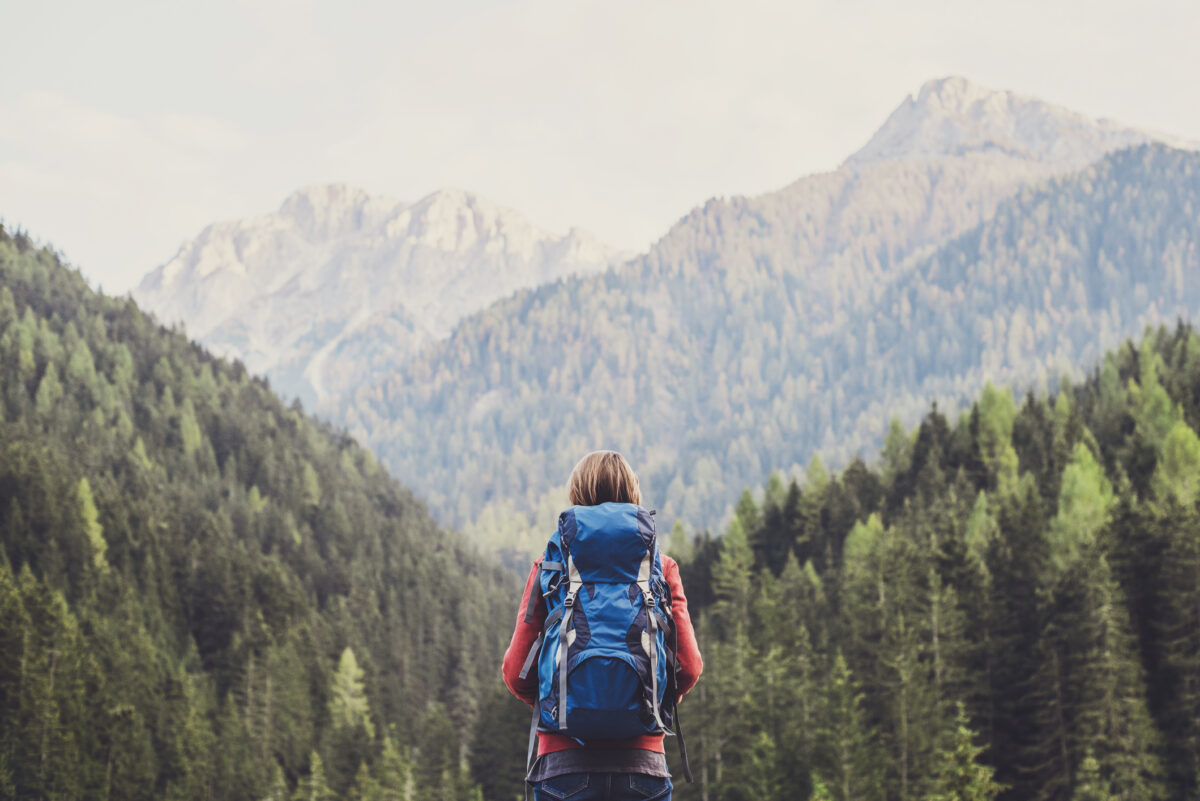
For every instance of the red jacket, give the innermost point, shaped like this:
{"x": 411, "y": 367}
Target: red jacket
{"x": 525, "y": 634}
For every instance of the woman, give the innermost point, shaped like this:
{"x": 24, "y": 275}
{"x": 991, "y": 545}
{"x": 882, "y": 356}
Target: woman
{"x": 600, "y": 769}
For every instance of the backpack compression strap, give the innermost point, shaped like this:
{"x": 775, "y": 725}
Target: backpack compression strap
{"x": 651, "y": 632}
{"x": 564, "y": 638}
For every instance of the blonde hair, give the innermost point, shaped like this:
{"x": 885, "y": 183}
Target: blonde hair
{"x": 603, "y": 476}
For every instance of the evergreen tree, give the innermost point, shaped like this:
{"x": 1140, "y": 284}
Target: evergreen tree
{"x": 960, "y": 775}
{"x": 365, "y": 787}
{"x": 348, "y": 705}
{"x": 1090, "y": 785}
{"x": 847, "y": 756}
{"x": 91, "y": 524}
{"x": 278, "y": 790}
{"x": 313, "y": 786}
{"x": 48, "y": 393}
{"x": 395, "y": 773}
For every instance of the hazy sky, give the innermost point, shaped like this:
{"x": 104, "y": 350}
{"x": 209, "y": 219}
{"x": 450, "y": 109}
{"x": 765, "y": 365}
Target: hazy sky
{"x": 125, "y": 127}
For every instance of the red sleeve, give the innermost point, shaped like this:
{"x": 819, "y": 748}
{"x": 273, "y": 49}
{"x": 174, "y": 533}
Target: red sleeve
{"x": 690, "y": 662}
{"x": 523, "y": 638}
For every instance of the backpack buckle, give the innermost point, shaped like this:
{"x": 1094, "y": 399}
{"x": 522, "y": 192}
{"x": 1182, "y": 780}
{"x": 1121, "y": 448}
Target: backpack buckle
{"x": 649, "y": 598}
{"x": 569, "y": 601}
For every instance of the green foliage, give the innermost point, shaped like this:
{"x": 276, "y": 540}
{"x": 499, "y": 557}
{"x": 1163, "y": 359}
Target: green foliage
{"x": 313, "y": 787}
{"x": 1178, "y": 472}
{"x": 1091, "y": 786}
{"x": 1084, "y": 503}
{"x": 348, "y": 706}
{"x": 959, "y": 775}
{"x": 91, "y": 524}
{"x": 200, "y": 588}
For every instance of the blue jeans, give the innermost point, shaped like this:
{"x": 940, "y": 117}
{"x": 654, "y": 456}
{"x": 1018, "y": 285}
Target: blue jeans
{"x": 603, "y": 787}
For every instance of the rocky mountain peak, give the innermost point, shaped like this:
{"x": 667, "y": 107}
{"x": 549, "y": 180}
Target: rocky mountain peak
{"x": 952, "y": 116}
{"x": 327, "y": 211}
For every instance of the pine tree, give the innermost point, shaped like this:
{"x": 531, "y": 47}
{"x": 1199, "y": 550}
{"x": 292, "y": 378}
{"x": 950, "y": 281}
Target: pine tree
{"x": 348, "y": 705}
{"x": 820, "y": 791}
{"x": 48, "y": 393}
{"x": 395, "y": 772}
{"x": 679, "y": 546}
{"x": 1089, "y": 784}
{"x": 313, "y": 786}
{"x": 995, "y": 414}
{"x": 91, "y": 524}
{"x": 365, "y": 787}
{"x": 732, "y": 577}
{"x": 278, "y": 789}
{"x": 1178, "y": 472}
{"x": 960, "y": 775}
{"x": 1084, "y": 503}
{"x": 848, "y": 758}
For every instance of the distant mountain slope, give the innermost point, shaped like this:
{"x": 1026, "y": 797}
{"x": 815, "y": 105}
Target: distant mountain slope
{"x": 201, "y": 589}
{"x": 701, "y": 357}
{"x": 723, "y": 354}
{"x": 338, "y": 283}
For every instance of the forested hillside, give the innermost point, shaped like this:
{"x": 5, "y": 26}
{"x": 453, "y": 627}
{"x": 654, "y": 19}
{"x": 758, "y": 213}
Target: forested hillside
{"x": 758, "y": 331}
{"x": 203, "y": 593}
{"x": 1007, "y": 601}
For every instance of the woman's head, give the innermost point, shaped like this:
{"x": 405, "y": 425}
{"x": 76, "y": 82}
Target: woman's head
{"x": 601, "y": 477}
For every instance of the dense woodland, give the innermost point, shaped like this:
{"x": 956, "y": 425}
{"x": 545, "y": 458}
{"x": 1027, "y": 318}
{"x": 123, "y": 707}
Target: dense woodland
{"x": 1006, "y": 603}
{"x": 205, "y": 594}
{"x": 761, "y": 330}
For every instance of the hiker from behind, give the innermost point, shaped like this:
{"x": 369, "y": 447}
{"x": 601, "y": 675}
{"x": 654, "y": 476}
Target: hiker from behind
{"x": 603, "y": 649}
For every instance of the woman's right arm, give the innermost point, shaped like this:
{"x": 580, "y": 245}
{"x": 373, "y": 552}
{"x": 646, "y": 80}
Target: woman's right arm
{"x": 524, "y": 636}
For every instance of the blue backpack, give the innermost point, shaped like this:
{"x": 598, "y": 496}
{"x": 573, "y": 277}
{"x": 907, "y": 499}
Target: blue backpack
{"x": 605, "y": 660}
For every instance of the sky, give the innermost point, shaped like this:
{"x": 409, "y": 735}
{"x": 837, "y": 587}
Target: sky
{"x": 126, "y": 127}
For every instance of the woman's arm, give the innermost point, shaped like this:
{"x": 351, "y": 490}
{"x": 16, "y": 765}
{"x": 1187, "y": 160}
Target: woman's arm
{"x": 524, "y": 636}
{"x": 690, "y": 662}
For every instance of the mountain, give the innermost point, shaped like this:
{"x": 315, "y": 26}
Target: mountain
{"x": 205, "y": 594}
{"x": 339, "y": 284}
{"x": 953, "y": 116}
{"x": 738, "y": 343}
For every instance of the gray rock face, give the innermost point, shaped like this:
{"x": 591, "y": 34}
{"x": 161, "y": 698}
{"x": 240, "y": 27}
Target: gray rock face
{"x": 338, "y": 284}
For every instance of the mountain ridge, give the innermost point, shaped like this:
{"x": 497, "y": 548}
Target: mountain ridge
{"x": 715, "y": 374}
{"x": 283, "y": 290}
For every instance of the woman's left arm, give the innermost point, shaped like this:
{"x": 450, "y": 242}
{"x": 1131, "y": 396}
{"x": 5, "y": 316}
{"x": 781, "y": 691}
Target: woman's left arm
{"x": 690, "y": 662}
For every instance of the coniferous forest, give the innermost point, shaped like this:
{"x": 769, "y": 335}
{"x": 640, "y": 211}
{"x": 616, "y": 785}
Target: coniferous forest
{"x": 1007, "y": 605}
{"x": 204, "y": 594}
